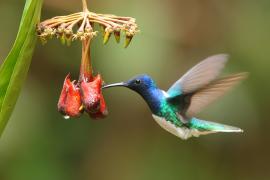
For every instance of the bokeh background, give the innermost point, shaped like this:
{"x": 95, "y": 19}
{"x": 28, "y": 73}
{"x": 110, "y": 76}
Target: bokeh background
{"x": 128, "y": 145}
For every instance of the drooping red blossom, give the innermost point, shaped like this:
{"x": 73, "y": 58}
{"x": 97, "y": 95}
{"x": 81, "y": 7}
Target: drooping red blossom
{"x": 70, "y": 104}
{"x": 92, "y": 97}
{"x": 86, "y": 94}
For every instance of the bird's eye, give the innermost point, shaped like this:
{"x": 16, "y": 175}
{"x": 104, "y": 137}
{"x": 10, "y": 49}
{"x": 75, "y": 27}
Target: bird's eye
{"x": 137, "y": 81}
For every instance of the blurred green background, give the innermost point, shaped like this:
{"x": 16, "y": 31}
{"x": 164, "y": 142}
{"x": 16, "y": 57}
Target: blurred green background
{"x": 39, "y": 144}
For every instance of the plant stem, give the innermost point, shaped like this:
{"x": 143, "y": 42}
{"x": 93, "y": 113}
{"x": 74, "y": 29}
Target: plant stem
{"x": 86, "y": 66}
{"x": 84, "y": 4}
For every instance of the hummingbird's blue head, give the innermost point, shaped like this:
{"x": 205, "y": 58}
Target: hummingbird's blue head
{"x": 140, "y": 84}
{"x": 146, "y": 87}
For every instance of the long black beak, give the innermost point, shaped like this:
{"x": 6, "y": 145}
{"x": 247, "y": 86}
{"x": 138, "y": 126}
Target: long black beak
{"x": 114, "y": 85}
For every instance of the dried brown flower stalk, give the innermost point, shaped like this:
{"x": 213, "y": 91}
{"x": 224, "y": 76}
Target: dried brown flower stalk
{"x": 80, "y": 26}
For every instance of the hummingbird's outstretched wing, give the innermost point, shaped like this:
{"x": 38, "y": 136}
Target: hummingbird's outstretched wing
{"x": 189, "y": 105}
{"x": 199, "y": 76}
{"x": 211, "y": 92}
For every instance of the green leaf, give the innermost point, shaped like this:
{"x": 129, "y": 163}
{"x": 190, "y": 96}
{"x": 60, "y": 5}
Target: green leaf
{"x": 14, "y": 69}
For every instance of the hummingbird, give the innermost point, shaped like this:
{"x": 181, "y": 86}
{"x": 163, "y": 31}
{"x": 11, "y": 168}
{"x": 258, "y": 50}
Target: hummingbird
{"x": 175, "y": 109}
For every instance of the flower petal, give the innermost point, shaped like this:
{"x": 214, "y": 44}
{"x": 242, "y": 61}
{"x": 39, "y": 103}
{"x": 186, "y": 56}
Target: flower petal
{"x": 70, "y": 103}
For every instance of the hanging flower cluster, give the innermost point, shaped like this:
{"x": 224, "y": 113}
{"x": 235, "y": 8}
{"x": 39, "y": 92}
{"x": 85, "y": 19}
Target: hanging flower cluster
{"x": 85, "y": 94}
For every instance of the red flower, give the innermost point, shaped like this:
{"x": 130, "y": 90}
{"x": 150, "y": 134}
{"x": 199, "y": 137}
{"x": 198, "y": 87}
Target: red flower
{"x": 70, "y": 104}
{"x": 103, "y": 112}
{"x": 92, "y": 97}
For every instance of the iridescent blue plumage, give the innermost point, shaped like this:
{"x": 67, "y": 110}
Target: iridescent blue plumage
{"x": 174, "y": 110}
{"x": 146, "y": 87}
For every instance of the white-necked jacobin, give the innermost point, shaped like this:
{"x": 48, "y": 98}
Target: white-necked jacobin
{"x": 174, "y": 109}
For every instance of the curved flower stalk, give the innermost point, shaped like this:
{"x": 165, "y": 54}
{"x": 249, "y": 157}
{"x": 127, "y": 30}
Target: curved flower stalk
{"x": 80, "y": 26}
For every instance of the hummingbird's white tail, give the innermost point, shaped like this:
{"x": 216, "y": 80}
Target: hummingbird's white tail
{"x": 196, "y": 127}
{"x": 205, "y": 127}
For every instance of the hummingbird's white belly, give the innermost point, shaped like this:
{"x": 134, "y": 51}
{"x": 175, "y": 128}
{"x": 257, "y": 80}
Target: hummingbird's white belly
{"x": 182, "y": 132}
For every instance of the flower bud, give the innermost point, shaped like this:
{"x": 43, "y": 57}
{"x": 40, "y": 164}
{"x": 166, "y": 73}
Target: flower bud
{"x": 70, "y": 104}
{"x": 107, "y": 34}
{"x": 128, "y": 40}
{"x": 63, "y": 39}
{"x": 117, "y": 34}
